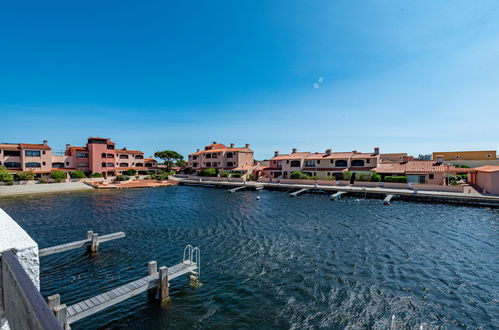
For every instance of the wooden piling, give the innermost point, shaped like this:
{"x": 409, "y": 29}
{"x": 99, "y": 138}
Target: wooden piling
{"x": 53, "y": 301}
{"x": 94, "y": 248}
{"x": 152, "y": 267}
{"x": 61, "y": 314}
{"x": 163, "y": 284}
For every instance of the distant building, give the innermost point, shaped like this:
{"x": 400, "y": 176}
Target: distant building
{"x": 98, "y": 156}
{"x": 19, "y": 157}
{"x": 321, "y": 165}
{"x": 223, "y": 158}
{"x": 469, "y": 158}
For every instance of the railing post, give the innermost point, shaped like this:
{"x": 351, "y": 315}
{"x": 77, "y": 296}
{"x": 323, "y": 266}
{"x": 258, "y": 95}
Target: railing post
{"x": 152, "y": 267}
{"x": 53, "y": 301}
{"x": 62, "y": 315}
{"x": 89, "y": 235}
{"x": 95, "y": 243}
{"x": 163, "y": 284}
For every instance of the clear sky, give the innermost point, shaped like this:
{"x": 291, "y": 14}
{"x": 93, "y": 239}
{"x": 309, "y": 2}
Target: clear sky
{"x": 407, "y": 76}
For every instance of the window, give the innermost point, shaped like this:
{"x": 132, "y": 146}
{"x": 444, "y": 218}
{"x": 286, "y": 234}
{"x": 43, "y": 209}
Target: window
{"x": 12, "y": 165}
{"x": 110, "y": 147}
{"x": 103, "y": 164}
{"x": 489, "y": 156}
{"x": 295, "y": 163}
{"x": 148, "y": 164}
{"x": 341, "y": 163}
{"x": 431, "y": 176}
{"x": 357, "y": 162}
{"x": 43, "y": 152}
{"x": 123, "y": 156}
{"x": 110, "y": 156}
{"x": 214, "y": 156}
{"x": 194, "y": 164}
{"x": 11, "y": 153}
{"x": 208, "y": 155}
{"x": 139, "y": 157}
{"x": 82, "y": 164}
{"x": 123, "y": 165}
{"x": 230, "y": 164}
{"x": 33, "y": 164}
{"x": 194, "y": 157}
{"x": 81, "y": 155}
{"x": 230, "y": 155}
{"x": 368, "y": 161}
{"x": 32, "y": 153}
{"x": 110, "y": 164}
{"x": 67, "y": 163}
{"x": 57, "y": 165}
{"x": 308, "y": 163}
{"x": 287, "y": 161}
{"x": 44, "y": 163}
{"x": 139, "y": 165}
{"x": 318, "y": 162}
{"x": 331, "y": 161}
{"x": 208, "y": 164}
{"x": 103, "y": 155}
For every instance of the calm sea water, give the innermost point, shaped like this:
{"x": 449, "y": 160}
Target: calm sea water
{"x": 277, "y": 262}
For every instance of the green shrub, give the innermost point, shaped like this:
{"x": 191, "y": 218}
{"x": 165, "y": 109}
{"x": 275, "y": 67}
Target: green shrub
{"x": 42, "y": 180}
{"x": 310, "y": 177}
{"x": 249, "y": 177}
{"x": 5, "y": 175}
{"x": 375, "y": 177}
{"x": 58, "y": 175}
{"x": 224, "y": 174}
{"x": 208, "y": 172}
{"x": 78, "y": 175}
{"x": 363, "y": 177}
{"x": 296, "y": 175}
{"x": 97, "y": 175}
{"x": 463, "y": 176}
{"x": 130, "y": 172}
{"x": 22, "y": 176}
{"x": 347, "y": 175}
{"x": 397, "y": 179}
{"x": 236, "y": 175}
{"x": 188, "y": 170}
{"x": 59, "y": 180}
{"x": 122, "y": 178}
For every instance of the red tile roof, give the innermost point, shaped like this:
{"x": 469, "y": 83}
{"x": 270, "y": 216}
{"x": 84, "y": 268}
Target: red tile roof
{"x": 121, "y": 151}
{"x": 220, "y": 150}
{"x": 296, "y": 155}
{"x": 487, "y": 169}
{"x": 34, "y": 146}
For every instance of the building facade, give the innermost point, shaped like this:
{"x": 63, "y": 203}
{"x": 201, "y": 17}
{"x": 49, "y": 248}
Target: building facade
{"x": 322, "y": 165}
{"x": 469, "y": 158}
{"x": 223, "y": 158}
{"x": 99, "y": 155}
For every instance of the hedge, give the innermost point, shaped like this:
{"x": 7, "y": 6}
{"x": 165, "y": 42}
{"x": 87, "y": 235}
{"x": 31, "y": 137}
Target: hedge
{"x": 97, "y": 175}
{"x": 78, "y": 175}
{"x": 208, "y": 172}
{"x": 5, "y": 175}
{"x": 21, "y": 176}
{"x": 397, "y": 179}
{"x": 373, "y": 177}
{"x": 130, "y": 172}
{"x": 58, "y": 175}
{"x": 122, "y": 178}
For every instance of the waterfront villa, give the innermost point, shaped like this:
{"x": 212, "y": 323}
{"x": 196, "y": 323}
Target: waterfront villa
{"x": 322, "y": 165}
{"x": 487, "y": 178}
{"x": 98, "y": 156}
{"x": 19, "y": 157}
{"x": 422, "y": 171}
{"x": 223, "y": 158}
{"x": 469, "y": 158}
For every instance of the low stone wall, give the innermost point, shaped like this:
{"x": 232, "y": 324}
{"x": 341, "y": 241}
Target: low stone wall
{"x": 12, "y": 236}
{"x": 436, "y": 187}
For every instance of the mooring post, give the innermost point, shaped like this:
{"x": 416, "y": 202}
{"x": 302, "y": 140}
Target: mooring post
{"x": 89, "y": 235}
{"x": 53, "y": 301}
{"x": 152, "y": 267}
{"x": 163, "y": 284}
{"x": 95, "y": 243}
{"x": 61, "y": 314}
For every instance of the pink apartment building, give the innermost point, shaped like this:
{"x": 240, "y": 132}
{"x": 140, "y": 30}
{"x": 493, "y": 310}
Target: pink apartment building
{"x": 98, "y": 156}
{"x": 223, "y": 158}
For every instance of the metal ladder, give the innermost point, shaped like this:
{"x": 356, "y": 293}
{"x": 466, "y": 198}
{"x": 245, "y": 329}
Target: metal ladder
{"x": 192, "y": 255}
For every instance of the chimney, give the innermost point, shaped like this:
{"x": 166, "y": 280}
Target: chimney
{"x": 197, "y": 150}
{"x": 45, "y": 142}
{"x": 440, "y": 159}
{"x": 376, "y": 150}
{"x": 68, "y": 145}
{"x": 124, "y": 148}
{"x": 214, "y": 142}
{"x": 232, "y": 145}
{"x": 354, "y": 151}
{"x": 294, "y": 150}
{"x": 328, "y": 151}
{"x": 276, "y": 153}
{"x": 246, "y": 145}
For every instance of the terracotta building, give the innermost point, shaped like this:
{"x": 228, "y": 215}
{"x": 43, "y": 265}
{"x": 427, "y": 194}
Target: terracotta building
{"x": 223, "y": 158}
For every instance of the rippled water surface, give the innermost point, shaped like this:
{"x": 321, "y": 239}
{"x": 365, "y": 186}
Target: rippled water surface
{"x": 277, "y": 262}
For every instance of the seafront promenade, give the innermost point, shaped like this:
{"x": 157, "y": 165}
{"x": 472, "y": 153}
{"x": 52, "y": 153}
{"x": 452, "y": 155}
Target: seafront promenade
{"x": 28, "y": 189}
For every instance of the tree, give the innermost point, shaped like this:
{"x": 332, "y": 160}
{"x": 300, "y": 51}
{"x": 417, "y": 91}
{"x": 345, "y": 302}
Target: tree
{"x": 181, "y": 163}
{"x": 169, "y": 157}
{"x": 5, "y": 175}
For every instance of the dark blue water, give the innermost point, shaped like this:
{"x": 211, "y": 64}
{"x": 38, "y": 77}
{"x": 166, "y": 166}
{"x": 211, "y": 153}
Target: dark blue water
{"x": 278, "y": 262}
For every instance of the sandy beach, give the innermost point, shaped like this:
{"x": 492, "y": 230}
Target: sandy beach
{"x": 42, "y": 188}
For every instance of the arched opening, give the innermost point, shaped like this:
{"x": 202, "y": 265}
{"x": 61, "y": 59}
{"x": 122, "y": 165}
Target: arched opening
{"x": 57, "y": 165}
{"x": 358, "y": 162}
{"x": 295, "y": 163}
{"x": 341, "y": 163}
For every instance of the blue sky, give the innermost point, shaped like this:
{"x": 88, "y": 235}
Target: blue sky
{"x": 407, "y": 76}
